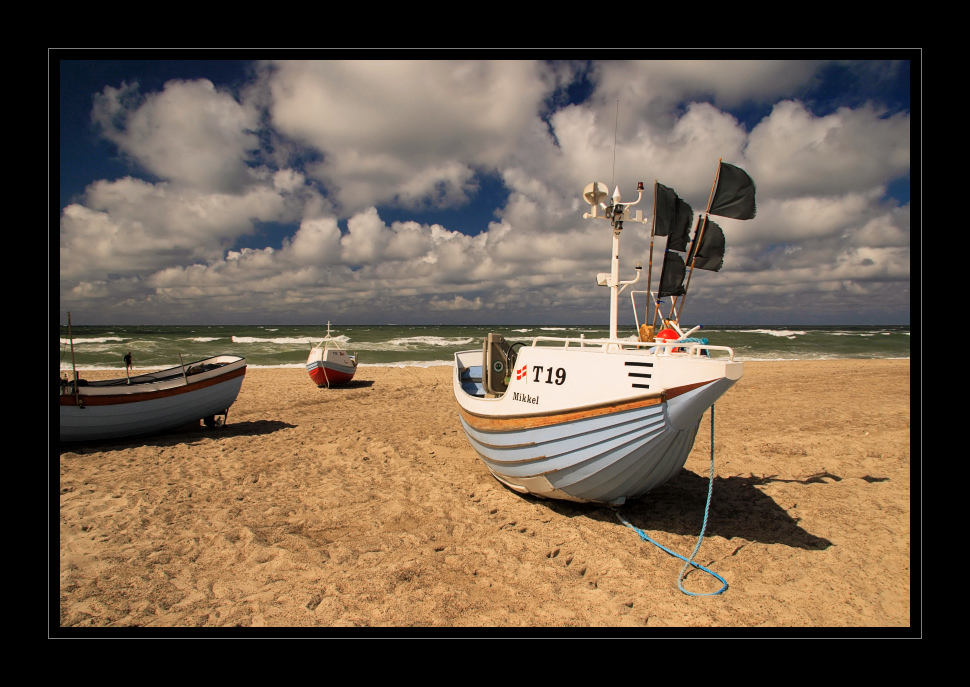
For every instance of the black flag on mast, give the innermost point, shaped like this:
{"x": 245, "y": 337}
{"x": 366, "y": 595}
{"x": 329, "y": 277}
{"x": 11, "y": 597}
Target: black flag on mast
{"x": 710, "y": 254}
{"x": 673, "y": 218}
{"x": 734, "y": 196}
{"x": 672, "y": 275}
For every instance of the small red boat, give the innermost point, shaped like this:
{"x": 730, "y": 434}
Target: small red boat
{"x": 329, "y": 365}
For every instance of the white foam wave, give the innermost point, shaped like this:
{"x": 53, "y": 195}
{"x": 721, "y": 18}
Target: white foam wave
{"x": 873, "y": 333}
{"x": 90, "y": 340}
{"x": 450, "y": 363}
{"x": 285, "y": 340}
{"x": 430, "y": 341}
{"x": 784, "y": 333}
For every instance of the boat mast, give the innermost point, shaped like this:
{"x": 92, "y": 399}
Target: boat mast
{"x": 647, "y": 335}
{"x": 616, "y": 212}
{"x": 77, "y": 398}
{"x": 698, "y": 235}
{"x": 615, "y": 263}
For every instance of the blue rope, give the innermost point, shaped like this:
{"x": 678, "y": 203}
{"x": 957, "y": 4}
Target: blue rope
{"x": 689, "y": 561}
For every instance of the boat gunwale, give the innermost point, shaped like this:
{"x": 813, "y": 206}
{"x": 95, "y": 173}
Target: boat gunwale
{"x": 167, "y": 373}
{"x": 333, "y": 367}
{"x": 152, "y": 388}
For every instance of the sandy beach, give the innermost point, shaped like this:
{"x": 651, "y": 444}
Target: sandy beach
{"x": 365, "y": 507}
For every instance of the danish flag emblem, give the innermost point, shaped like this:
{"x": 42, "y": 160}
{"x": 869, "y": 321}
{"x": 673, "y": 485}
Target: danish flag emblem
{"x": 520, "y": 373}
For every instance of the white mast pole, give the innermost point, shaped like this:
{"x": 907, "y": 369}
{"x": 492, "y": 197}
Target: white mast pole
{"x": 616, "y": 212}
{"x": 615, "y": 276}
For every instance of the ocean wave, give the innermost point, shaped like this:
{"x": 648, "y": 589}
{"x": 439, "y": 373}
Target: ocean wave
{"x": 91, "y": 340}
{"x": 430, "y": 341}
{"x": 597, "y": 339}
{"x": 287, "y": 340}
{"x": 783, "y": 333}
{"x": 867, "y": 333}
{"x": 450, "y": 363}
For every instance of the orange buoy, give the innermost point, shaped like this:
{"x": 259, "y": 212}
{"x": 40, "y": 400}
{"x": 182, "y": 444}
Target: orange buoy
{"x": 665, "y": 335}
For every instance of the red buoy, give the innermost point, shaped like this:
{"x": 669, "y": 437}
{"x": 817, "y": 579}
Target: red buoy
{"x": 665, "y": 335}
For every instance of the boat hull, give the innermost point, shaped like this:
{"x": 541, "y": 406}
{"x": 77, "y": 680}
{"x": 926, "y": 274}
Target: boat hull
{"x": 112, "y": 409}
{"x": 615, "y": 436}
{"x": 330, "y": 367}
{"x": 324, "y": 374}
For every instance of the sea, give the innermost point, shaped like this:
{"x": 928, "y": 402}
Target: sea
{"x": 154, "y": 347}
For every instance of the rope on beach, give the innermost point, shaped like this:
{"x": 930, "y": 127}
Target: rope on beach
{"x": 700, "y": 538}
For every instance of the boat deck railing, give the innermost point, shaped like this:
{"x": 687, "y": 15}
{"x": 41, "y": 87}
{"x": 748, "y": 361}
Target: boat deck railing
{"x": 655, "y": 348}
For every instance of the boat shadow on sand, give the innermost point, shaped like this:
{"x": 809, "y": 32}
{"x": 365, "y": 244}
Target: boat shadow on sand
{"x": 738, "y": 509}
{"x": 187, "y": 434}
{"x": 353, "y": 384}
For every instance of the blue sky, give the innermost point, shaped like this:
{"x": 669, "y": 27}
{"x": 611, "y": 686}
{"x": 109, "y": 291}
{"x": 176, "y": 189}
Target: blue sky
{"x": 426, "y": 192}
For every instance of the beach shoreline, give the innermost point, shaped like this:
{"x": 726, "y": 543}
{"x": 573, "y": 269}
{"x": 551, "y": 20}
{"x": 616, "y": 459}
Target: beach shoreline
{"x": 424, "y": 345}
{"x": 365, "y": 506}
{"x": 103, "y": 372}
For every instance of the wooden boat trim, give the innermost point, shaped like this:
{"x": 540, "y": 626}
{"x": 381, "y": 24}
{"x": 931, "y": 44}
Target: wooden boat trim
{"x": 485, "y": 423}
{"x": 677, "y": 391}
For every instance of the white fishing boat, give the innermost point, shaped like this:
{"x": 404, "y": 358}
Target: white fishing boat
{"x": 604, "y": 421}
{"x": 152, "y": 402}
{"x": 329, "y": 364}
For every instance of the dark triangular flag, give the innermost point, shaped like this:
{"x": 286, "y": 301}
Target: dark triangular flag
{"x": 673, "y": 218}
{"x": 734, "y": 196}
{"x": 672, "y": 275}
{"x": 710, "y": 254}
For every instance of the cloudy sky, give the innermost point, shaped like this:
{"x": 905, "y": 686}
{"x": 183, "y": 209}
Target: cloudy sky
{"x": 439, "y": 192}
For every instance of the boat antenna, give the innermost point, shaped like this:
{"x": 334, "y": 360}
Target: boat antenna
{"x": 616, "y": 122}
